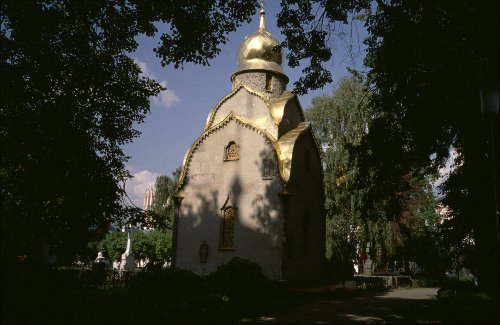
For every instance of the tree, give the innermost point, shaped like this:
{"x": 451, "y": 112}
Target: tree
{"x": 153, "y": 246}
{"x": 427, "y": 62}
{"x": 70, "y": 95}
{"x": 113, "y": 245}
{"x": 161, "y": 214}
{"x": 309, "y": 27}
{"x": 340, "y": 120}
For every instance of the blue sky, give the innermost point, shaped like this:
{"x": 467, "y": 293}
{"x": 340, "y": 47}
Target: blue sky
{"x": 178, "y": 114}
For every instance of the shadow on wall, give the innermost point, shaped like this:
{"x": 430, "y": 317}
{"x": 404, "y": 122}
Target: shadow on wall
{"x": 257, "y": 224}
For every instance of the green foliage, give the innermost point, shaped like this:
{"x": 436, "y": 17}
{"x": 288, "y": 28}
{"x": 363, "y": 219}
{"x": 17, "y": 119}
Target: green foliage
{"x": 308, "y": 27}
{"x": 371, "y": 282}
{"x": 241, "y": 281}
{"x": 236, "y": 288}
{"x": 161, "y": 213}
{"x": 166, "y": 285}
{"x": 70, "y": 97}
{"x": 475, "y": 305}
{"x": 113, "y": 245}
{"x": 427, "y": 61}
{"x": 340, "y": 120}
{"x": 428, "y": 281}
{"x": 155, "y": 246}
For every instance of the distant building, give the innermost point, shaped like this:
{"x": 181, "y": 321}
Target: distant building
{"x": 252, "y": 184}
{"x": 149, "y": 197}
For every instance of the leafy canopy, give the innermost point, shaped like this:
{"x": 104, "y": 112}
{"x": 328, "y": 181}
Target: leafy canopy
{"x": 340, "y": 122}
{"x": 70, "y": 96}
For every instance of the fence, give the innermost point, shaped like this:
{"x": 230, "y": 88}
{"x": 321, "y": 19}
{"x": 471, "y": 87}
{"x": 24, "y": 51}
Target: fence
{"x": 106, "y": 278}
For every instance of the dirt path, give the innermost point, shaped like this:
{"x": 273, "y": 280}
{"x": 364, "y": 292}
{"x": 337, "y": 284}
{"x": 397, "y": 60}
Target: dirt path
{"x": 395, "y": 306}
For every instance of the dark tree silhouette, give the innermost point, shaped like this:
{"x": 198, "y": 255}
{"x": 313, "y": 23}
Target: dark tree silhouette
{"x": 70, "y": 95}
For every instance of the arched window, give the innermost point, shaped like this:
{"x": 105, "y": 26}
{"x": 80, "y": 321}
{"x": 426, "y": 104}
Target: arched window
{"x": 227, "y": 238}
{"x": 231, "y": 151}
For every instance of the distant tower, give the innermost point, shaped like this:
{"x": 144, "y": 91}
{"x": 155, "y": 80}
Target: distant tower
{"x": 149, "y": 197}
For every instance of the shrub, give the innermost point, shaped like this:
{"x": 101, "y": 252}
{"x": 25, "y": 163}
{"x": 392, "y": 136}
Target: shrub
{"x": 426, "y": 280}
{"x": 170, "y": 295}
{"x": 370, "y": 282}
{"x": 461, "y": 302}
{"x": 166, "y": 284}
{"x": 240, "y": 283}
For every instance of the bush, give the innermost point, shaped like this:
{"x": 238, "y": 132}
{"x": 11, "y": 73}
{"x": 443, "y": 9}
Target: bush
{"x": 454, "y": 286}
{"x": 167, "y": 284}
{"x": 370, "y": 282}
{"x": 461, "y": 302}
{"x": 241, "y": 284}
{"x": 170, "y": 295}
{"x": 180, "y": 296}
{"x": 427, "y": 281}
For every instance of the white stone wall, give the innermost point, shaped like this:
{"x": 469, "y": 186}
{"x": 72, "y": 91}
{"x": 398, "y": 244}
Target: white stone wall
{"x": 250, "y": 107}
{"x": 210, "y": 181}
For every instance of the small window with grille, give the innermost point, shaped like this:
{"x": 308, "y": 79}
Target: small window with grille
{"x": 231, "y": 151}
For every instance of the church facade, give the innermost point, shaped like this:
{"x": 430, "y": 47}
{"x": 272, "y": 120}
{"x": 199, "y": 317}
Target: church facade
{"x": 252, "y": 185}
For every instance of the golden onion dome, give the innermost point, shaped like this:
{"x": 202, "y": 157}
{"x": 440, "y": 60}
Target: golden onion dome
{"x": 260, "y": 51}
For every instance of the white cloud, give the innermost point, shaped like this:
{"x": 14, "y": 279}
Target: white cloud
{"x": 137, "y": 185}
{"x": 146, "y": 71}
{"x": 166, "y": 98}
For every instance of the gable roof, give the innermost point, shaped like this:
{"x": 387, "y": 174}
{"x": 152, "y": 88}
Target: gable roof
{"x": 276, "y": 106}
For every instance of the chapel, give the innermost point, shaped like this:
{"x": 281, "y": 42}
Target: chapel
{"x": 251, "y": 185}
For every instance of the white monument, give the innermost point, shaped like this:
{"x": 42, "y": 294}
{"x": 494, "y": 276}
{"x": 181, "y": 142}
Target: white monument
{"x": 128, "y": 258}
{"x": 368, "y": 265}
